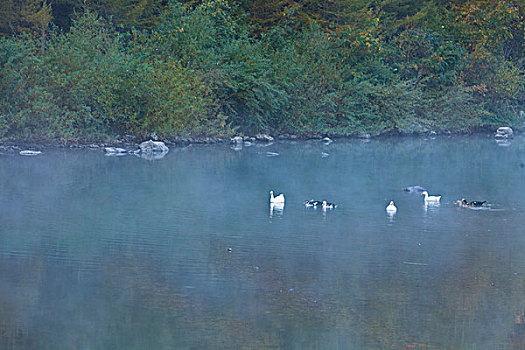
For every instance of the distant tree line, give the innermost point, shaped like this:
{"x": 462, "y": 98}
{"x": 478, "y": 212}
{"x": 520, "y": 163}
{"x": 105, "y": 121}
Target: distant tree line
{"x": 77, "y": 70}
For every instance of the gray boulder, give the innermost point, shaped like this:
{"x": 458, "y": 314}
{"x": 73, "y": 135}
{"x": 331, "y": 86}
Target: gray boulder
{"x": 237, "y": 140}
{"x": 153, "y": 146}
{"x": 29, "y": 153}
{"x": 504, "y": 132}
{"x": 264, "y": 137}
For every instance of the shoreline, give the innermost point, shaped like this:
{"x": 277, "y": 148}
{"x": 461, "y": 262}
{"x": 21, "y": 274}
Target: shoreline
{"x": 14, "y": 145}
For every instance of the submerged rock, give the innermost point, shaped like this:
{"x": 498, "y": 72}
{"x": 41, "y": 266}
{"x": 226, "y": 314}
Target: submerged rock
{"x": 504, "y": 132}
{"x": 503, "y": 142}
{"x": 414, "y": 189}
{"x": 153, "y": 146}
{"x": 29, "y": 153}
{"x": 151, "y": 155}
{"x": 115, "y": 150}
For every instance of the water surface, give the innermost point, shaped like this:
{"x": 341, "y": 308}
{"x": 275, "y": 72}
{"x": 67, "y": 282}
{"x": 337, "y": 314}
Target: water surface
{"x": 183, "y": 252}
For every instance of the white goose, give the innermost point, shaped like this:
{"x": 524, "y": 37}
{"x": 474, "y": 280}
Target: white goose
{"x": 391, "y": 208}
{"x": 277, "y": 199}
{"x": 430, "y": 198}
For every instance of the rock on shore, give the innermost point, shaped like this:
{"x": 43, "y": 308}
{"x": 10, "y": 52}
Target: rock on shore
{"x": 153, "y": 146}
{"x": 504, "y": 132}
{"x": 29, "y": 153}
{"x": 264, "y": 137}
{"x": 236, "y": 140}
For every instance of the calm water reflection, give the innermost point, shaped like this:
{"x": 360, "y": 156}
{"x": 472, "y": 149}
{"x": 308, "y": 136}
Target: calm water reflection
{"x": 104, "y": 252}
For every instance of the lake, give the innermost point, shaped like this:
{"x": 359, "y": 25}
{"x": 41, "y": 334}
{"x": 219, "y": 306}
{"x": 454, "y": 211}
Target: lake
{"x": 185, "y": 252}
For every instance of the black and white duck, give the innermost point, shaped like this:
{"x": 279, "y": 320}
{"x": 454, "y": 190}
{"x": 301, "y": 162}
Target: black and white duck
{"x": 312, "y": 203}
{"x": 466, "y": 204}
{"x": 327, "y": 205}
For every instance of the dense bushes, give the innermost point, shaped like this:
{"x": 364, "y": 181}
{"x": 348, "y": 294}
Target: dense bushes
{"x": 202, "y": 72}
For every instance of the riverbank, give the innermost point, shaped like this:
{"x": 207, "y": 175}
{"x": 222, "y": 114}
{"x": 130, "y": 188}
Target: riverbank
{"x": 130, "y": 142}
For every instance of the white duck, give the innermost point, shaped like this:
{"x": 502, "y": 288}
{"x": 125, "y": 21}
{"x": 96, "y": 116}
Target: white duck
{"x": 391, "y": 208}
{"x": 430, "y": 198}
{"x": 277, "y": 199}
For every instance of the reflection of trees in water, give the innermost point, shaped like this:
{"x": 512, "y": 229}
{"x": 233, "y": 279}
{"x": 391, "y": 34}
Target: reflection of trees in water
{"x": 270, "y": 303}
{"x": 518, "y": 334}
{"x": 464, "y": 306}
{"x": 20, "y": 279}
{"x": 456, "y": 308}
{"x": 14, "y": 334}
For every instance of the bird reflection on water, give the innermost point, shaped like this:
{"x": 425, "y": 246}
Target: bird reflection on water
{"x": 276, "y": 209}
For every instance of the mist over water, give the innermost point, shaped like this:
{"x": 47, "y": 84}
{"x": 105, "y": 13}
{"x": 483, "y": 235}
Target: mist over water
{"x": 101, "y": 252}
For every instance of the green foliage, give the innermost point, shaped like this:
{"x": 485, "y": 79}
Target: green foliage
{"x": 177, "y": 102}
{"x": 129, "y": 13}
{"x": 433, "y": 59}
{"x": 4, "y": 126}
{"x": 8, "y": 16}
{"x": 18, "y": 16}
{"x": 304, "y": 67}
{"x": 495, "y": 26}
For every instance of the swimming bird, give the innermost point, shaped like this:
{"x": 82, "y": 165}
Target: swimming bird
{"x": 476, "y": 203}
{"x": 391, "y": 208}
{"x": 430, "y": 198}
{"x": 277, "y": 199}
{"x": 312, "y": 203}
{"x": 327, "y": 205}
{"x": 461, "y": 202}
{"x": 464, "y": 203}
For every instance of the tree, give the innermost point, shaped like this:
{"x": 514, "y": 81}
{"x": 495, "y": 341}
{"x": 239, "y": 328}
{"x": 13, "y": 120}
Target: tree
{"x": 26, "y": 16}
{"x": 129, "y": 13}
{"x": 7, "y": 17}
{"x": 64, "y": 11}
{"x": 496, "y": 26}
